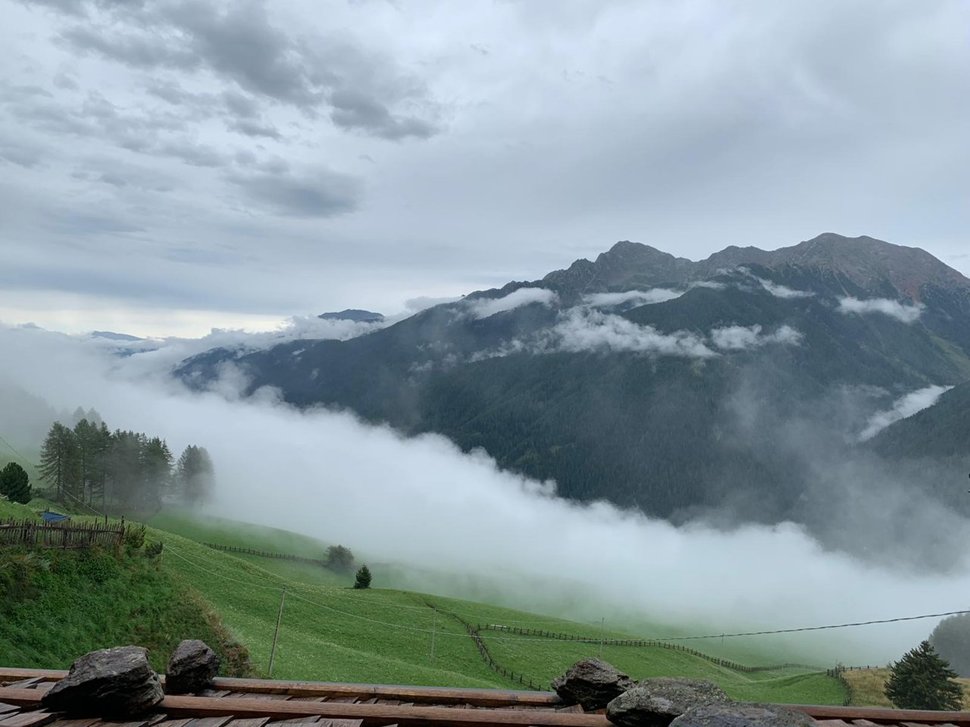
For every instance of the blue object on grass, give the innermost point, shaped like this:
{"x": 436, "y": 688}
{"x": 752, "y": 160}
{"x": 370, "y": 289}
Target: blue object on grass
{"x": 53, "y": 517}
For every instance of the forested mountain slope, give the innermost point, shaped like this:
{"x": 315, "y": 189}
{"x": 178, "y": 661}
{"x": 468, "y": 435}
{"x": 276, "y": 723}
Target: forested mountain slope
{"x": 677, "y": 387}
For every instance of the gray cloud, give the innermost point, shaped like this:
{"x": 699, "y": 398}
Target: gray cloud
{"x": 353, "y": 110}
{"x": 721, "y": 124}
{"x": 254, "y": 128}
{"x": 241, "y": 45}
{"x": 319, "y": 194}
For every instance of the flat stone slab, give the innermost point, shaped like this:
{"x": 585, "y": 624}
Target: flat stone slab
{"x": 742, "y": 715}
{"x": 657, "y": 702}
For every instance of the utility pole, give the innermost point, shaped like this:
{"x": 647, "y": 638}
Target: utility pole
{"x": 434, "y": 628}
{"x": 276, "y": 634}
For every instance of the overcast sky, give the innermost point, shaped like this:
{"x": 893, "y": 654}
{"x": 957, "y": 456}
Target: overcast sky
{"x": 167, "y": 166}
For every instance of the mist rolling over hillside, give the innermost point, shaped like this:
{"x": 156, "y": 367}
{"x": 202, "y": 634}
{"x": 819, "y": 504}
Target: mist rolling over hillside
{"x": 620, "y": 370}
{"x": 750, "y": 387}
{"x": 623, "y": 448}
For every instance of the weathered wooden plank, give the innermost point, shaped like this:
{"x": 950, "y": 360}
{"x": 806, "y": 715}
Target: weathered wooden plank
{"x": 210, "y": 721}
{"x": 882, "y": 715}
{"x": 377, "y": 714}
{"x": 28, "y": 719}
{"x": 863, "y": 723}
{"x": 345, "y": 723}
{"x": 298, "y": 721}
{"x": 831, "y": 723}
{"x": 418, "y": 695}
{"x": 255, "y": 722}
{"x": 75, "y": 722}
{"x": 11, "y": 674}
{"x": 423, "y": 695}
{"x": 26, "y": 683}
{"x": 171, "y": 723}
{"x": 8, "y": 708}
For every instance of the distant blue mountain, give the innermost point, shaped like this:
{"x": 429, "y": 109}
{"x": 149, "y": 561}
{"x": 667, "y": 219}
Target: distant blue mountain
{"x": 112, "y": 336}
{"x": 353, "y": 314}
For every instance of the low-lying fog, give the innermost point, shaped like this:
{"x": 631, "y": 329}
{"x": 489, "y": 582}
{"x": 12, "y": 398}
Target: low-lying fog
{"x": 423, "y": 502}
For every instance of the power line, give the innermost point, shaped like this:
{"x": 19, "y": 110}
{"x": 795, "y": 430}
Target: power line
{"x": 818, "y": 628}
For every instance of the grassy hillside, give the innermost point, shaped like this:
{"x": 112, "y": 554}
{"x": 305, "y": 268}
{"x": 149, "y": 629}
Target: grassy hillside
{"x": 866, "y": 687}
{"x": 332, "y": 632}
{"x": 60, "y": 604}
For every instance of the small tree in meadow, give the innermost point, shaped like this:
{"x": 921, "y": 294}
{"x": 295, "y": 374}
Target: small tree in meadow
{"x": 363, "y": 577}
{"x": 922, "y": 680}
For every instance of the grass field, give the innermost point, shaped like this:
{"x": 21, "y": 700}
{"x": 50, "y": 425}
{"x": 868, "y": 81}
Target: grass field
{"x": 866, "y": 687}
{"x": 331, "y": 632}
{"x": 60, "y": 604}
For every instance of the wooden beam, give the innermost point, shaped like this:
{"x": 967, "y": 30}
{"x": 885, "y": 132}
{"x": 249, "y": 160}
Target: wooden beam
{"x": 372, "y": 715}
{"x": 882, "y": 715}
{"x": 9, "y": 674}
{"x": 376, "y": 715}
{"x": 402, "y": 692}
{"x": 405, "y": 693}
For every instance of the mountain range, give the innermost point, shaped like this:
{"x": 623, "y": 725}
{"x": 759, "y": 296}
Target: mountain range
{"x": 734, "y": 388}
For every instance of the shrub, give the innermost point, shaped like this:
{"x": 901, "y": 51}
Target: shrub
{"x": 15, "y": 483}
{"x": 363, "y": 578}
{"x": 134, "y": 538}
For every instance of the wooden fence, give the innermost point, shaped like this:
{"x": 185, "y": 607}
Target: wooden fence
{"x": 60, "y": 535}
{"x": 639, "y": 643}
{"x": 266, "y": 554}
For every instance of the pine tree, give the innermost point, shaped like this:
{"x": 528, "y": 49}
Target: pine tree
{"x": 922, "y": 680}
{"x": 156, "y": 471}
{"x": 194, "y": 474}
{"x": 59, "y": 461}
{"x": 93, "y": 441}
{"x": 15, "y": 483}
{"x": 951, "y": 639}
{"x": 363, "y": 578}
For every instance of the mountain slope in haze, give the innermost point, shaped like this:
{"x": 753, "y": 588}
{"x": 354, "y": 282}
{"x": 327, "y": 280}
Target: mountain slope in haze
{"x": 735, "y": 387}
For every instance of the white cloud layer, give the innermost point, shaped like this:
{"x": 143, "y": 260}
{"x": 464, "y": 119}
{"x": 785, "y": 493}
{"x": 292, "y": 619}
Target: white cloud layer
{"x": 486, "y": 307}
{"x": 905, "y": 406}
{"x": 882, "y": 306}
{"x": 740, "y": 338}
{"x": 485, "y": 530}
{"x": 634, "y": 297}
{"x": 591, "y": 330}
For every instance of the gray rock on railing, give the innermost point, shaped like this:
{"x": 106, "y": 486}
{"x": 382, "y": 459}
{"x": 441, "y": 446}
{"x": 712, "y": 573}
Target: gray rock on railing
{"x": 743, "y": 715}
{"x": 191, "y": 668}
{"x": 592, "y": 683}
{"x": 657, "y": 702}
{"x": 116, "y": 682}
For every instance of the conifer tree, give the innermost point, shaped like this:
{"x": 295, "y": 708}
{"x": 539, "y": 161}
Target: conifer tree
{"x": 59, "y": 461}
{"x": 363, "y": 578}
{"x": 195, "y": 474}
{"x": 15, "y": 483}
{"x": 922, "y": 680}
